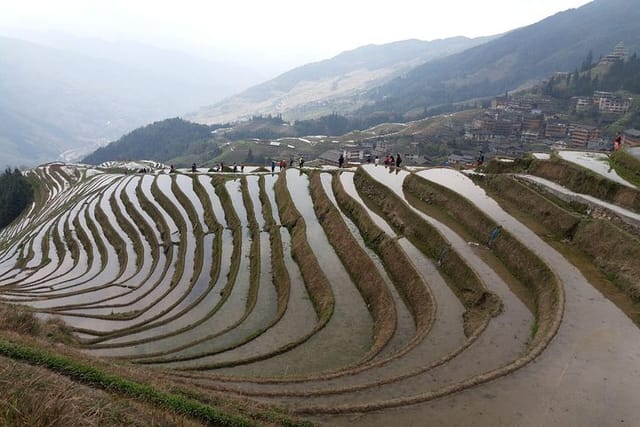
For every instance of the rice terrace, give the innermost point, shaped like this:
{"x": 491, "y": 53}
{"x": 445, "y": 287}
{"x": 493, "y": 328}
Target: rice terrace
{"x": 373, "y": 296}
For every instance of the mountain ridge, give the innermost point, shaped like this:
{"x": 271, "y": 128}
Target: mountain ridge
{"x": 313, "y": 89}
{"x": 557, "y": 43}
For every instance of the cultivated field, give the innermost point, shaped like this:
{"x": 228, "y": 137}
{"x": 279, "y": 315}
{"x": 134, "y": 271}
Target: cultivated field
{"x": 363, "y": 296}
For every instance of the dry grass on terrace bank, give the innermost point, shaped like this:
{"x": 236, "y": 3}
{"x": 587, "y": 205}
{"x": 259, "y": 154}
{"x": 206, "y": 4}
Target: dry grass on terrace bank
{"x": 21, "y": 321}
{"x": 406, "y": 279}
{"x": 479, "y": 302}
{"x": 314, "y": 278}
{"x": 584, "y": 181}
{"x": 615, "y": 251}
{"x": 360, "y": 267}
{"x": 527, "y": 267}
{"x": 33, "y": 396}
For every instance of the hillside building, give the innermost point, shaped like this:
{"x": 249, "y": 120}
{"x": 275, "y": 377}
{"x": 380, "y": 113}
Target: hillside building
{"x": 582, "y": 103}
{"x": 620, "y": 53}
{"x": 533, "y": 123}
{"x": 614, "y": 105}
{"x": 581, "y": 134}
{"x": 556, "y": 130}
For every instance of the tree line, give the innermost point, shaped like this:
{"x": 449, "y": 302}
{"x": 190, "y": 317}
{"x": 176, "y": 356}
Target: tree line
{"x": 16, "y": 194}
{"x": 621, "y": 76}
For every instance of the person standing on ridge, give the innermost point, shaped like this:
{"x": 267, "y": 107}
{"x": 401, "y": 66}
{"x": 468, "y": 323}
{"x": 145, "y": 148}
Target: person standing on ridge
{"x": 193, "y": 167}
{"x": 301, "y": 162}
{"x": 398, "y": 160}
{"x": 617, "y": 143}
{"x": 341, "y": 160}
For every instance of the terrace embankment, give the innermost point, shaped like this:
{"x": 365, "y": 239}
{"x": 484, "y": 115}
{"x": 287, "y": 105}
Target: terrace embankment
{"x": 612, "y": 249}
{"x": 406, "y": 279}
{"x": 519, "y": 260}
{"x": 479, "y": 303}
{"x": 627, "y": 166}
{"x": 360, "y": 267}
{"x": 315, "y": 281}
{"x": 584, "y": 181}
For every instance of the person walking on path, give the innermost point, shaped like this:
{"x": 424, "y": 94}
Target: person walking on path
{"x": 376, "y": 161}
{"x": 494, "y": 235}
{"x": 273, "y": 166}
{"x": 341, "y": 160}
{"x": 301, "y": 162}
{"x": 398, "y": 160}
{"x": 193, "y": 167}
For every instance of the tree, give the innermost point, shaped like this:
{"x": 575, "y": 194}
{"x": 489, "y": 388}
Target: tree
{"x": 587, "y": 64}
{"x": 15, "y": 195}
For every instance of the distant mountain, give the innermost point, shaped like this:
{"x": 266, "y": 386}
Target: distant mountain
{"x": 334, "y": 84}
{"x": 558, "y": 43}
{"x": 54, "y": 100}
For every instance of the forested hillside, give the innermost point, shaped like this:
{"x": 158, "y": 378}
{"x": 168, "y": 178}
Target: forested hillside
{"x": 15, "y": 195}
{"x": 159, "y": 141}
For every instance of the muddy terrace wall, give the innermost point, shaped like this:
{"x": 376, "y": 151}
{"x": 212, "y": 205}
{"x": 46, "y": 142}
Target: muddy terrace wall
{"x": 360, "y": 267}
{"x": 614, "y": 250}
{"x": 479, "y": 302}
{"x": 519, "y": 260}
{"x": 573, "y": 177}
{"x": 407, "y": 281}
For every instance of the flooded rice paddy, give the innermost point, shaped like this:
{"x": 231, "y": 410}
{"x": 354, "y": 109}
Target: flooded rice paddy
{"x": 196, "y": 274}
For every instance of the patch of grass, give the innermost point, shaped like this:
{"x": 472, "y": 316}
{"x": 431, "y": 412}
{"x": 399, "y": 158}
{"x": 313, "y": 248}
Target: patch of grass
{"x": 20, "y": 320}
{"x": 626, "y": 165}
{"x": 95, "y": 377}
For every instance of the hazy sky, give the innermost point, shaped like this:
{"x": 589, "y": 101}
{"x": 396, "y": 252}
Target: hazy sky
{"x": 291, "y": 31}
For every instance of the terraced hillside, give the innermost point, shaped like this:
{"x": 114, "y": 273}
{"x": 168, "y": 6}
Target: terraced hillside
{"x": 367, "y": 296}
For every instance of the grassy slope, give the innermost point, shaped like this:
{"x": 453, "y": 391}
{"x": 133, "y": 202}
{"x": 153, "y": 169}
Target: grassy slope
{"x": 47, "y": 384}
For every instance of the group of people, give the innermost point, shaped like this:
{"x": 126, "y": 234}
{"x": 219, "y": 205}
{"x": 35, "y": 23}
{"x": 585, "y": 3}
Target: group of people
{"x": 389, "y": 160}
{"x": 217, "y": 168}
{"x": 282, "y": 164}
